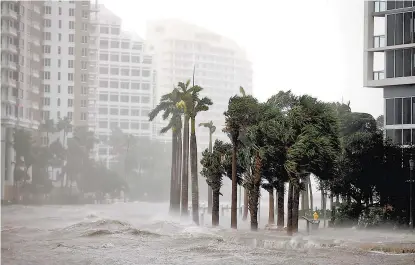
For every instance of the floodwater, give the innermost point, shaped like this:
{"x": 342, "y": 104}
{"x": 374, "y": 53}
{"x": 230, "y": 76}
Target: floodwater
{"x": 143, "y": 233}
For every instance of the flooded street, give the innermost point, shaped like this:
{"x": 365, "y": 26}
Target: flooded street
{"x": 143, "y": 233}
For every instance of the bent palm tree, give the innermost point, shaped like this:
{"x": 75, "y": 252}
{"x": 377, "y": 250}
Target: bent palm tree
{"x": 212, "y": 129}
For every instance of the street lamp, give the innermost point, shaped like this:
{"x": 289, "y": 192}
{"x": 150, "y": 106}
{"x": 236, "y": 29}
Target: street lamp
{"x": 411, "y": 172}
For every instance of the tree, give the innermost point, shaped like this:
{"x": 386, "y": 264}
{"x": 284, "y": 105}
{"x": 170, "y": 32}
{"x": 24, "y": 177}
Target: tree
{"x": 380, "y": 122}
{"x": 193, "y": 108}
{"x": 214, "y": 170}
{"x": 212, "y": 129}
{"x": 241, "y": 112}
{"x": 168, "y": 105}
{"x": 65, "y": 126}
{"x": 48, "y": 127}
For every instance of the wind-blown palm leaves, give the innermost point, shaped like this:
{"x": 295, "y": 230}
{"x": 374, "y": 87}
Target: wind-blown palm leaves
{"x": 212, "y": 129}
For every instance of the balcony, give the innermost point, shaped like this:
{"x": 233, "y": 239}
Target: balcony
{"x": 9, "y": 47}
{"x": 380, "y": 6}
{"x": 9, "y": 65}
{"x": 378, "y": 41}
{"x": 8, "y": 13}
{"x": 378, "y": 75}
{"x": 8, "y": 82}
{"x": 9, "y": 30}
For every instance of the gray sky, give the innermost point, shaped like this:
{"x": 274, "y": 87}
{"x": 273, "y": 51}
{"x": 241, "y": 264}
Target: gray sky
{"x": 313, "y": 47}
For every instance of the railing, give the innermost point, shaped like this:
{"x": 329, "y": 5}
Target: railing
{"x": 378, "y": 41}
{"x": 378, "y": 75}
{"x": 9, "y": 30}
{"x": 380, "y": 6}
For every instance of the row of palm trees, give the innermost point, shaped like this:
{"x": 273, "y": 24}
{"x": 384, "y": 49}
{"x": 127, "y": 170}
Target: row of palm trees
{"x": 181, "y": 107}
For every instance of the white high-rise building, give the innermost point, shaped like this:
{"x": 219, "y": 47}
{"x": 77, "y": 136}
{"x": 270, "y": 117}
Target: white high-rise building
{"x": 221, "y": 67}
{"x": 125, "y": 83}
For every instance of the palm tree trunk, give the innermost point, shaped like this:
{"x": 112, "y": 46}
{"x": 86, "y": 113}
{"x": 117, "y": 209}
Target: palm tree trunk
{"x": 215, "y": 208}
{"x": 296, "y": 203}
{"x": 209, "y": 188}
{"x": 290, "y": 209}
{"x": 271, "y": 214}
{"x": 185, "y": 169}
{"x": 280, "y": 216}
{"x": 234, "y": 221}
{"x": 245, "y": 215}
{"x": 254, "y": 193}
{"x": 179, "y": 172}
{"x": 193, "y": 169}
{"x": 311, "y": 193}
{"x": 173, "y": 170}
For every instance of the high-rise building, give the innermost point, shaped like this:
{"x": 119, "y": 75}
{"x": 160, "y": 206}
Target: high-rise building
{"x": 389, "y": 63}
{"x": 125, "y": 83}
{"x": 21, "y": 70}
{"x": 220, "y": 67}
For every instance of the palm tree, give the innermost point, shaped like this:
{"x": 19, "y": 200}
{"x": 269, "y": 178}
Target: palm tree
{"x": 197, "y": 105}
{"x": 212, "y": 129}
{"x": 168, "y": 105}
{"x": 65, "y": 126}
{"x": 49, "y": 127}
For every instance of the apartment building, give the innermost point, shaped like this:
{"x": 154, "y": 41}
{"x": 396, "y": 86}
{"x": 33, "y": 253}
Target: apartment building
{"x": 125, "y": 83}
{"x": 220, "y": 65}
{"x": 389, "y": 63}
{"x": 21, "y": 69}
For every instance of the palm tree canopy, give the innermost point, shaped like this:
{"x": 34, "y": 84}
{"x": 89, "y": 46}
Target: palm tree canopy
{"x": 209, "y": 125}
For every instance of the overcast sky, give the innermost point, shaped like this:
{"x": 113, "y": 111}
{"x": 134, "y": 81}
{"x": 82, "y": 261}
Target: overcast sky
{"x": 313, "y": 47}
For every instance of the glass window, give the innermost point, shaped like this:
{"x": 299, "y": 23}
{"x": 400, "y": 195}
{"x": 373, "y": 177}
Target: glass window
{"x": 103, "y": 70}
{"x": 114, "y": 57}
{"x": 115, "y": 31}
{"x": 103, "y": 44}
{"x": 390, "y": 106}
{"x": 115, "y": 44}
{"x": 125, "y": 72}
{"x": 398, "y": 136}
{"x": 125, "y": 45}
{"x": 125, "y": 98}
{"x": 103, "y": 97}
{"x": 103, "y": 111}
{"x": 135, "y": 125}
{"x": 125, "y": 85}
{"x": 390, "y": 29}
{"x": 114, "y": 98}
{"x": 146, "y": 73}
{"x": 103, "y": 57}
{"x": 407, "y": 136}
{"x": 113, "y": 84}
{"x": 135, "y": 59}
{"x": 413, "y": 110}
{"x": 407, "y": 111}
{"x": 399, "y": 28}
{"x": 407, "y": 62}
{"x": 114, "y": 111}
{"x": 398, "y": 63}
{"x": 407, "y": 3}
{"x": 103, "y": 83}
{"x": 115, "y": 71}
{"x": 413, "y": 136}
{"x": 145, "y": 126}
{"x": 124, "y": 125}
{"x": 125, "y": 58}
{"x": 145, "y": 86}
{"x": 113, "y": 124}
{"x": 135, "y": 99}
{"x": 145, "y": 99}
{"x": 104, "y": 30}
{"x": 407, "y": 17}
{"x": 135, "y": 112}
{"x": 390, "y": 63}
{"x": 399, "y": 4}
{"x": 103, "y": 124}
{"x": 390, "y": 4}
{"x": 135, "y": 85}
{"x": 135, "y": 72}
{"x": 398, "y": 110}
{"x": 124, "y": 112}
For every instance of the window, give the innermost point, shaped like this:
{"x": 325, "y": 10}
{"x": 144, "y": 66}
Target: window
{"x": 46, "y": 75}
{"x": 71, "y": 12}
{"x": 71, "y": 24}
{"x": 103, "y": 70}
{"x": 135, "y": 59}
{"x": 58, "y": 114}
{"x": 59, "y": 89}
{"x": 59, "y": 49}
{"x": 103, "y": 57}
{"x": 137, "y": 46}
{"x": 47, "y": 23}
{"x": 58, "y": 102}
{"x": 406, "y": 111}
{"x": 59, "y": 75}
{"x": 46, "y": 115}
{"x": 103, "y": 110}
{"x": 413, "y": 111}
{"x": 135, "y": 125}
{"x": 114, "y": 57}
{"x": 145, "y": 126}
{"x": 71, "y": 37}
{"x": 145, "y": 99}
{"x": 84, "y": 27}
{"x": 407, "y": 62}
{"x": 398, "y": 63}
{"x": 146, "y": 73}
{"x": 83, "y": 116}
{"x": 70, "y": 50}
{"x": 103, "y": 97}
{"x": 47, "y": 10}
{"x": 124, "y": 112}
{"x": 70, "y": 63}
{"x": 70, "y": 102}
{"x": 60, "y": 24}
{"x": 104, "y": 30}
{"x": 115, "y": 71}
{"x": 84, "y": 51}
{"x": 84, "y": 39}
{"x": 398, "y": 110}
{"x": 135, "y": 99}
{"x": 125, "y": 58}
{"x": 60, "y": 10}
{"x": 70, "y": 114}
{"x": 113, "y": 124}
{"x": 84, "y": 65}
{"x": 113, "y": 84}
{"x": 70, "y": 90}
{"x": 115, "y": 44}
{"x": 135, "y": 85}
{"x": 398, "y": 136}
{"x": 59, "y": 37}
{"x": 135, "y": 72}
{"x": 103, "y": 83}
{"x": 46, "y": 62}
{"x": 103, "y": 125}
{"x": 125, "y": 85}
{"x": 46, "y": 48}
{"x": 125, "y": 98}
{"x": 115, "y": 31}
{"x": 47, "y": 35}
{"x": 84, "y": 77}
{"x": 46, "y": 88}
{"x": 145, "y": 112}
{"x": 124, "y": 125}
{"x": 59, "y": 62}
{"x": 83, "y": 103}
{"x": 145, "y": 86}
{"x": 113, "y": 111}
{"x": 46, "y": 101}
{"x": 70, "y": 76}
{"x": 84, "y": 90}
{"x": 406, "y": 136}
{"x": 125, "y": 45}
{"x": 125, "y": 72}
{"x": 114, "y": 98}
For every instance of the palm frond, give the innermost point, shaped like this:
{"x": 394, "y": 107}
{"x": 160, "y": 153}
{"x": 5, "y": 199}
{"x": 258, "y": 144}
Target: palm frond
{"x": 242, "y": 91}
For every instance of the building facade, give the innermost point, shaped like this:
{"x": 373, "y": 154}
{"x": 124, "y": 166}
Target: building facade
{"x": 125, "y": 84}
{"x": 21, "y": 82}
{"x": 220, "y": 67}
{"x": 389, "y": 63}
